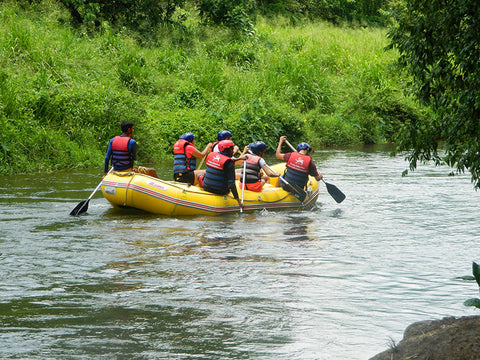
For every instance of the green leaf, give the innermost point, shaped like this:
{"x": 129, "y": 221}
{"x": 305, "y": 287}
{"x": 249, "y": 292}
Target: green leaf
{"x": 472, "y": 302}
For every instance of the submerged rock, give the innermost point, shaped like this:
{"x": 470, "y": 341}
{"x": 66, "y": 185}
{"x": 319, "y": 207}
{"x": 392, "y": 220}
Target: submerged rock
{"x": 447, "y": 339}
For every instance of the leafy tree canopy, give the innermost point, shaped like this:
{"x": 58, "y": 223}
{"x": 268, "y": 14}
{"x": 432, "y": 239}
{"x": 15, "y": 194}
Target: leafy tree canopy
{"x": 439, "y": 44}
{"x": 141, "y": 13}
{"x": 236, "y": 14}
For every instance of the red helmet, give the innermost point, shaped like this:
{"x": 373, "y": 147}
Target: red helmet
{"x": 225, "y": 144}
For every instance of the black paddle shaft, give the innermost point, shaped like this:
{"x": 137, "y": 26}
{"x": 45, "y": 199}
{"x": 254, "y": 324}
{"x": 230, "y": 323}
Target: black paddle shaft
{"x": 82, "y": 206}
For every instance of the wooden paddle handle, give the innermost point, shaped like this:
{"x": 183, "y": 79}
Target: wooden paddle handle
{"x": 290, "y": 145}
{"x": 201, "y": 162}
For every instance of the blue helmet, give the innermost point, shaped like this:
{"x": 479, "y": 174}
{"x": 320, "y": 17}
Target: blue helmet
{"x": 224, "y": 134}
{"x": 303, "y": 146}
{"x": 257, "y": 147}
{"x": 188, "y": 136}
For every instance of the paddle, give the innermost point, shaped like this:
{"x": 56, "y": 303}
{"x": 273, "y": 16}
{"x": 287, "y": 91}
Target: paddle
{"x": 83, "y": 205}
{"x": 334, "y": 192}
{"x": 243, "y": 183}
{"x": 201, "y": 162}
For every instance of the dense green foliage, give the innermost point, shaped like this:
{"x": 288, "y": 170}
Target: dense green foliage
{"x": 439, "y": 43}
{"x": 235, "y": 14}
{"x": 140, "y": 14}
{"x": 64, "y": 91}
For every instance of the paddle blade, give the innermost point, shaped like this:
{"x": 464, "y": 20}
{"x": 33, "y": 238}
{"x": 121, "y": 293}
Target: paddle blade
{"x": 335, "y": 192}
{"x": 80, "y": 208}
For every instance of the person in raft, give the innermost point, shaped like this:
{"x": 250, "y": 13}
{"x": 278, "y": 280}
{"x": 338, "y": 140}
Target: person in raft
{"x": 122, "y": 151}
{"x": 227, "y": 135}
{"x": 219, "y": 176}
{"x": 257, "y": 171}
{"x": 185, "y": 156}
{"x": 223, "y": 135}
{"x": 299, "y": 165}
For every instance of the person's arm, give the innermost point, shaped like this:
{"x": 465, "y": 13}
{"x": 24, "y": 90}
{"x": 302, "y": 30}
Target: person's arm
{"x": 132, "y": 147}
{"x": 107, "y": 158}
{"x": 266, "y": 169}
{"x": 312, "y": 170}
{"x": 245, "y": 150}
{"x": 242, "y": 156}
{"x": 278, "y": 154}
{"x": 230, "y": 174}
{"x": 202, "y": 154}
{"x": 240, "y": 159}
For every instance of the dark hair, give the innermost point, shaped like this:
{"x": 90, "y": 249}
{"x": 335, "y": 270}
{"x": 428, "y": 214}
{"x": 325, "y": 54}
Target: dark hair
{"x": 125, "y": 125}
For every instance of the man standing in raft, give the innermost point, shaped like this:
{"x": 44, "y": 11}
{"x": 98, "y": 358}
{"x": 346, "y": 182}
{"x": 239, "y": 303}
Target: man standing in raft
{"x": 219, "y": 176}
{"x": 185, "y": 156}
{"x": 299, "y": 164}
{"x": 122, "y": 149}
{"x": 123, "y": 152}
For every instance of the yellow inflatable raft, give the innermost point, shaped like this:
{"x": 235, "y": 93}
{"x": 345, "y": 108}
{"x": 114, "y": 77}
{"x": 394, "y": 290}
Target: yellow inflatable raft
{"x": 153, "y": 195}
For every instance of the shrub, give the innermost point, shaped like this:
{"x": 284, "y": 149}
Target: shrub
{"x": 263, "y": 120}
{"x": 331, "y": 130}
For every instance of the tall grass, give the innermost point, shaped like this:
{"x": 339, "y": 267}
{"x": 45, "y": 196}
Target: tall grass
{"x": 63, "y": 93}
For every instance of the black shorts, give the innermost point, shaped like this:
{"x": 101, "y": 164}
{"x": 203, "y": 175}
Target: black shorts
{"x": 185, "y": 177}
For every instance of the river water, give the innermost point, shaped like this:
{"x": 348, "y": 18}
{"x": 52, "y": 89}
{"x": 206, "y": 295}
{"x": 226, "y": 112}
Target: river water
{"x": 339, "y": 282}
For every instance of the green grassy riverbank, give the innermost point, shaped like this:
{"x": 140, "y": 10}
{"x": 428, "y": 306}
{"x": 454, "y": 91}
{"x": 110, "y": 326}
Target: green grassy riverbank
{"x": 63, "y": 92}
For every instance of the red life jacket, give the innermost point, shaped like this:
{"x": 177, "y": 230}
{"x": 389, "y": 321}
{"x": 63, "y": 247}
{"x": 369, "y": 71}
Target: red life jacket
{"x": 120, "y": 143}
{"x": 252, "y": 174}
{"x": 179, "y": 146}
{"x": 213, "y": 145}
{"x": 299, "y": 162}
{"x": 121, "y": 157}
{"x": 217, "y": 160}
{"x": 215, "y": 179}
{"x": 297, "y": 169}
{"x": 181, "y": 161}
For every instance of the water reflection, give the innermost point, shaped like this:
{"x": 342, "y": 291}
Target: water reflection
{"x": 299, "y": 227}
{"x": 336, "y": 213}
{"x": 129, "y": 330}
